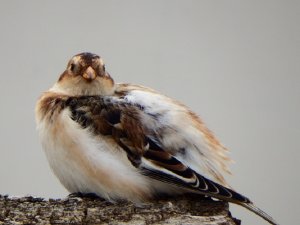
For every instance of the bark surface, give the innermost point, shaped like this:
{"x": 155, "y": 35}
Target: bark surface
{"x": 75, "y": 209}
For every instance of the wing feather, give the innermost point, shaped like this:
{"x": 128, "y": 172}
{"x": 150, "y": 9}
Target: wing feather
{"x": 121, "y": 120}
{"x": 144, "y": 147}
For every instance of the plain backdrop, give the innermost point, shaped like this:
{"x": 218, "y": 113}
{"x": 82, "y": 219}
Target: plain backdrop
{"x": 235, "y": 63}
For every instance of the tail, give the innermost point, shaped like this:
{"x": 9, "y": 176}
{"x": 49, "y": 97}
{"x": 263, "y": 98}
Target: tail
{"x": 258, "y": 212}
{"x": 230, "y": 195}
{"x": 170, "y": 170}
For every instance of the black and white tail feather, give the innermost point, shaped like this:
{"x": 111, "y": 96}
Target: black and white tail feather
{"x": 188, "y": 179}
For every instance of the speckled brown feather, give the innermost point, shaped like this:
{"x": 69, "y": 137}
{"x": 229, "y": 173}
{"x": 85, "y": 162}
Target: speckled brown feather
{"x": 49, "y": 105}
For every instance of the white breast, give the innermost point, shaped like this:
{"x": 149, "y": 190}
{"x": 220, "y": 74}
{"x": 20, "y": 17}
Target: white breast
{"x": 88, "y": 164}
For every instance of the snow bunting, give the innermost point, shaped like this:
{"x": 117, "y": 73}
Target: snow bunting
{"x": 125, "y": 141}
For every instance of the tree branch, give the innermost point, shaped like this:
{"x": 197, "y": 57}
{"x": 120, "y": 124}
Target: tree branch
{"x": 91, "y": 210}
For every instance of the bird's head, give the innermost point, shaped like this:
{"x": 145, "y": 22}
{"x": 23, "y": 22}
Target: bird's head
{"x": 85, "y": 75}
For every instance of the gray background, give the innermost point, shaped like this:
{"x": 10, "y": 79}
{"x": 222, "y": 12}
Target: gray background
{"x": 235, "y": 63}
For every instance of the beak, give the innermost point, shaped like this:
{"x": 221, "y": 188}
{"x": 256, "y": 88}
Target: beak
{"x": 89, "y": 74}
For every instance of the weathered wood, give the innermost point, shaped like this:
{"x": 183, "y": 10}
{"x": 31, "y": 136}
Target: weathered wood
{"x": 90, "y": 210}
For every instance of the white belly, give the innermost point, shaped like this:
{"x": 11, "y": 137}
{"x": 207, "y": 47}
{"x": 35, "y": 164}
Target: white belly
{"x": 88, "y": 164}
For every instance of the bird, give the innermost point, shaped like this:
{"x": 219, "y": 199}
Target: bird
{"x": 124, "y": 141}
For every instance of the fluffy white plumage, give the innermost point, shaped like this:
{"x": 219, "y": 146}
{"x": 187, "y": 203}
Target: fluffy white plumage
{"x": 123, "y": 141}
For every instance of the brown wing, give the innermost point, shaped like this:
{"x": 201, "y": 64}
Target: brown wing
{"x": 121, "y": 120}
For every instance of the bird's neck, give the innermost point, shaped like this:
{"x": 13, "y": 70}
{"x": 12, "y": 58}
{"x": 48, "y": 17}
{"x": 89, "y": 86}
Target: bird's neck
{"x": 97, "y": 87}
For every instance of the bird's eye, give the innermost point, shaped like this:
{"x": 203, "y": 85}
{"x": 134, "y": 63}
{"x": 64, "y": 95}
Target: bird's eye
{"x": 104, "y": 68}
{"x": 72, "y": 67}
